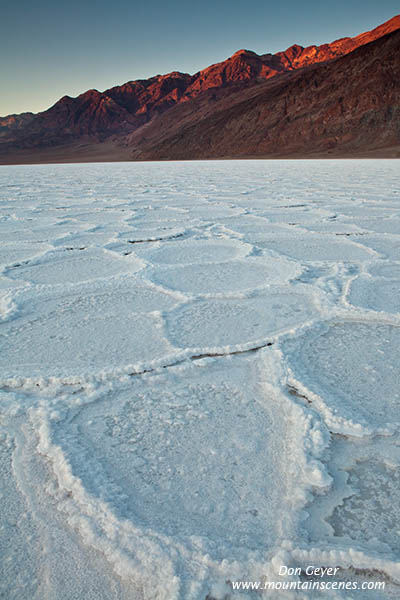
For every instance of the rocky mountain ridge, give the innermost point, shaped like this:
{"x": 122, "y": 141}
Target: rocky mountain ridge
{"x": 129, "y": 117}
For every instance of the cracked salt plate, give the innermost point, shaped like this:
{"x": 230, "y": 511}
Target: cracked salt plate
{"x": 198, "y": 466}
{"x": 70, "y": 344}
{"x": 360, "y": 212}
{"x": 41, "y": 541}
{"x": 296, "y": 214}
{"x": 103, "y": 215}
{"x": 85, "y": 238}
{"x": 375, "y": 294}
{"x": 215, "y": 324}
{"x": 63, "y": 267}
{"x": 335, "y": 227}
{"x": 122, "y": 295}
{"x": 11, "y": 253}
{"x": 212, "y": 211}
{"x": 387, "y": 246}
{"x": 361, "y": 508}
{"x": 85, "y": 332}
{"x": 27, "y": 232}
{"x": 317, "y": 248}
{"x": 196, "y": 251}
{"x": 371, "y": 511}
{"x": 354, "y": 367}
{"x": 381, "y": 225}
{"x": 225, "y": 277}
{"x": 255, "y": 228}
{"x": 246, "y": 224}
{"x": 385, "y": 269}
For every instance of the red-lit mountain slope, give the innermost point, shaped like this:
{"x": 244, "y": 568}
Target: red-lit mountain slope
{"x": 341, "y": 97}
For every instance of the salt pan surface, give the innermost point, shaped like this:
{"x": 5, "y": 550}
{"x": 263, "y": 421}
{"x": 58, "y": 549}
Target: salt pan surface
{"x": 199, "y": 367}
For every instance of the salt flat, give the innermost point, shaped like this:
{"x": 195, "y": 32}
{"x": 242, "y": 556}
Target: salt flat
{"x": 199, "y": 377}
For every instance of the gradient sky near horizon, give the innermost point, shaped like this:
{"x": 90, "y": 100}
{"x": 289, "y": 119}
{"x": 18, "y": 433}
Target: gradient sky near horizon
{"x": 49, "y": 49}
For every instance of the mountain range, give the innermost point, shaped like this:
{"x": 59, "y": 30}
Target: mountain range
{"x": 337, "y": 99}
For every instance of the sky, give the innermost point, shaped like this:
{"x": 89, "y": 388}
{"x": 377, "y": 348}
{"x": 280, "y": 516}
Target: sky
{"x": 49, "y": 49}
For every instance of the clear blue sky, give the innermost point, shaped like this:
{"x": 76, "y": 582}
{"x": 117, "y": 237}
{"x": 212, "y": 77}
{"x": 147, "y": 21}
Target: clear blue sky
{"x": 49, "y": 49}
